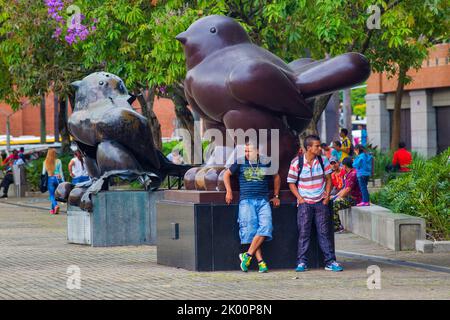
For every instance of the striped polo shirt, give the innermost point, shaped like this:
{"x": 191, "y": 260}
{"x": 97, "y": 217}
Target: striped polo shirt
{"x": 312, "y": 182}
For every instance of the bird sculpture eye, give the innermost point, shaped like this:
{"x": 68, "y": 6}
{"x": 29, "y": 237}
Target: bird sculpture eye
{"x": 212, "y": 30}
{"x": 100, "y": 83}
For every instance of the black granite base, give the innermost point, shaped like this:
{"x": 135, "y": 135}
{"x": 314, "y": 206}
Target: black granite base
{"x": 205, "y": 237}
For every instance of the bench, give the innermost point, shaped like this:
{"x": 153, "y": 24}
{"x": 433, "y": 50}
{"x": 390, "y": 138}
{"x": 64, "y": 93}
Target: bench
{"x": 392, "y": 230}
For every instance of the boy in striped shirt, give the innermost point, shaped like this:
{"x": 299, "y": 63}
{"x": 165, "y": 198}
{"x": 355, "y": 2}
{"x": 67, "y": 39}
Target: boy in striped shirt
{"x": 312, "y": 186}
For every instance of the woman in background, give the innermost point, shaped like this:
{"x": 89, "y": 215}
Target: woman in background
{"x": 53, "y": 167}
{"x": 363, "y": 166}
{"x": 77, "y": 168}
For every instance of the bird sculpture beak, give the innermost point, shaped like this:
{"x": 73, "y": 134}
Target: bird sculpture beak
{"x": 76, "y": 84}
{"x": 181, "y": 37}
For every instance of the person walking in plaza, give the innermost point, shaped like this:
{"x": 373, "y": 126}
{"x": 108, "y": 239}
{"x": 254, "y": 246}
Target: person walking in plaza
{"x": 350, "y": 194}
{"x": 363, "y": 135}
{"x": 363, "y": 165}
{"x": 309, "y": 180}
{"x": 77, "y": 168}
{"x": 255, "y": 214}
{"x": 346, "y": 144}
{"x": 326, "y": 150}
{"x": 337, "y": 151}
{"x": 53, "y": 167}
{"x": 402, "y": 158}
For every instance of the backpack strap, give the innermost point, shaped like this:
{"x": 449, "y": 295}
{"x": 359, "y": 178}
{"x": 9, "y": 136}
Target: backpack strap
{"x": 300, "y": 168}
{"x": 321, "y": 164}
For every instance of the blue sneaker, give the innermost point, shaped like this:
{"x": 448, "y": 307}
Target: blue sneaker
{"x": 334, "y": 266}
{"x": 301, "y": 267}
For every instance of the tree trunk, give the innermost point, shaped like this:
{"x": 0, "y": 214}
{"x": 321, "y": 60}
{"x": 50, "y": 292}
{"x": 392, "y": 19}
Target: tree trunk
{"x": 62, "y": 124}
{"x": 43, "y": 125}
{"x": 396, "y": 121}
{"x": 320, "y": 104}
{"x": 347, "y": 108}
{"x": 186, "y": 121}
{"x": 146, "y": 99}
{"x": 55, "y": 116}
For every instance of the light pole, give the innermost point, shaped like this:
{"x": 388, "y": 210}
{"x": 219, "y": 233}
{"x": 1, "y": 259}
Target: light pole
{"x": 8, "y": 130}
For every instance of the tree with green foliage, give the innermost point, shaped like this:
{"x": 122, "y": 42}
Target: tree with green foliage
{"x": 37, "y": 61}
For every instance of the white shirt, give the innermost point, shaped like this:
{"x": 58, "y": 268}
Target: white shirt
{"x": 78, "y": 169}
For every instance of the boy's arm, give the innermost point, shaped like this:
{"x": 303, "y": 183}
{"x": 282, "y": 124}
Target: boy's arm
{"x": 227, "y": 182}
{"x": 276, "y": 190}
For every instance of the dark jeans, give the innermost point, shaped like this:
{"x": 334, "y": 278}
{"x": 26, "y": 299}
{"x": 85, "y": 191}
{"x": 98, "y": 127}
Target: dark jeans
{"x": 321, "y": 215}
{"x": 363, "y": 181}
{"x": 6, "y": 182}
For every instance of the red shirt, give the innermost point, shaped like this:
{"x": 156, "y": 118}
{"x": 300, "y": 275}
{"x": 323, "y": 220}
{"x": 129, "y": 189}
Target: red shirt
{"x": 403, "y": 158}
{"x": 337, "y": 179}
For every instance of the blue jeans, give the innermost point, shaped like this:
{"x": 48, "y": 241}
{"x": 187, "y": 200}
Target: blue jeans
{"x": 322, "y": 217}
{"x": 80, "y": 179}
{"x": 363, "y": 181}
{"x": 52, "y": 185}
{"x": 255, "y": 219}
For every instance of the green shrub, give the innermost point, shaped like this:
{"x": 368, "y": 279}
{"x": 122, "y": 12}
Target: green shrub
{"x": 422, "y": 192}
{"x": 383, "y": 159}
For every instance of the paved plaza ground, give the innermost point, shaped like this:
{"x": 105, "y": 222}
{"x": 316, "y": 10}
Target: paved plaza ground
{"x": 35, "y": 257}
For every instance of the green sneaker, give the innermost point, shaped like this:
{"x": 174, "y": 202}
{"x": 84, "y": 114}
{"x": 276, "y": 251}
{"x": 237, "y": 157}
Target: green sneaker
{"x": 262, "y": 267}
{"x": 245, "y": 261}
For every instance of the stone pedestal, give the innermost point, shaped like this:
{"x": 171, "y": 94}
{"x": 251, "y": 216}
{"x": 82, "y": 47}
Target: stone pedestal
{"x": 197, "y": 231}
{"x": 120, "y": 218}
{"x": 423, "y": 123}
{"x": 378, "y": 131}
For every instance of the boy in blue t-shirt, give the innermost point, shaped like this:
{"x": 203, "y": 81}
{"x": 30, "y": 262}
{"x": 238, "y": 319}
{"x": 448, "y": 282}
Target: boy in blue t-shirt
{"x": 255, "y": 214}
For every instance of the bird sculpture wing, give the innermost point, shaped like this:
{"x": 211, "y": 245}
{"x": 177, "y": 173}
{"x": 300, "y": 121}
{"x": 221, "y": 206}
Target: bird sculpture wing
{"x": 262, "y": 84}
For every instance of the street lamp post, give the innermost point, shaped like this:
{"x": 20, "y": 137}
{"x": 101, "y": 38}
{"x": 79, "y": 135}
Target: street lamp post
{"x": 8, "y": 130}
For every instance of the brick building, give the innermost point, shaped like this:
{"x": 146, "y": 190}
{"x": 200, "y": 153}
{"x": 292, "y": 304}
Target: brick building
{"x": 425, "y": 110}
{"x": 26, "y": 121}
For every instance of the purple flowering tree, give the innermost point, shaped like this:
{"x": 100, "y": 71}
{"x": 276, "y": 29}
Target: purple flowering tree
{"x": 73, "y": 26}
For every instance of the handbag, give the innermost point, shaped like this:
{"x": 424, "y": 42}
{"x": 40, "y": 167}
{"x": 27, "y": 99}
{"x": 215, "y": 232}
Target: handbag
{"x": 44, "y": 183}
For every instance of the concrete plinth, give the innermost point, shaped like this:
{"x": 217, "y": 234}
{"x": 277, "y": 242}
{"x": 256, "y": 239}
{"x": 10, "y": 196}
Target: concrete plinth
{"x": 120, "y": 218}
{"x": 205, "y": 236}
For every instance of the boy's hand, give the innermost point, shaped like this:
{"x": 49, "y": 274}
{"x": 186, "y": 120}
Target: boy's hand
{"x": 300, "y": 200}
{"x": 276, "y": 202}
{"x": 229, "y": 197}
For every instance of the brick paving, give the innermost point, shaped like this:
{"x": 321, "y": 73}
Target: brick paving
{"x": 34, "y": 257}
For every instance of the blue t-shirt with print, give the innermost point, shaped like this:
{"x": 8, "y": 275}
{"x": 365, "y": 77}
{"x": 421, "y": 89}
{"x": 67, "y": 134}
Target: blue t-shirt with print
{"x": 253, "y": 178}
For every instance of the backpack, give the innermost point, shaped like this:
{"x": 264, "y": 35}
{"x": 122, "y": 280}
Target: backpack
{"x": 300, "y": 167}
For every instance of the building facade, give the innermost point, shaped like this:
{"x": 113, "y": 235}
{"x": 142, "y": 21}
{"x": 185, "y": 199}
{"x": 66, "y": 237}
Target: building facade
{"x": 26, "y": 121}
{"x": 425, "y": 109}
